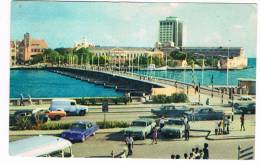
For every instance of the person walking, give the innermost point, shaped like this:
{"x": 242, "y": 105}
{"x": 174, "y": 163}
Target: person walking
{"x": 161, "y": 122}
{"x": 207, "y": 101}
{"x": 21, "y": 100}
{"x": 206, "y": 151}
{"x": 29, "y": 99}
{"x": 155, "y": 135}
{"x": 187, "y": 131}
{"x": 130, "y": 144}
{"x": 242, "y": 122}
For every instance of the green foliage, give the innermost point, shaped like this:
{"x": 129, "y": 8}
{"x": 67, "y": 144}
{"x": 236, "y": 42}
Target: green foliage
{"x": 66, "y": 125}
{"x": 55, "y": 125}
{"x": 24, "y": 123}
{"x": 174, "y": 98}
{"x": 112, "y": 124}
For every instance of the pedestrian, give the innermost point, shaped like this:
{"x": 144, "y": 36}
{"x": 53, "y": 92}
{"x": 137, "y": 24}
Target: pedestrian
{"x": 197, "y": 154}
{"x": 221, "y": 124}
{"x": 206, "y": 151}
{"x": 193, "y": 152}
{"x": 185, "y": 156}
{"x": 207, "y": 101}
{"x": 187, "y": 131}
{"x": 161, "y": 122}
{"x": 242, "y": 122}
{"x": 21, "y": 100}
{"x": 226, "y": 125}
{"x": 185, "y": 119}
{"x": 201, "y": 153}
{"x": 130, "y": 144}
{"x": 172, "y": 156}
{"x": 217, "y": 128}
{"x": 193, "y": 114}
{"x": 155, "y": 135}
{"x": 191, "y": 156}
{"x": 178, "y": 156}
{"x": 29, "y": 99}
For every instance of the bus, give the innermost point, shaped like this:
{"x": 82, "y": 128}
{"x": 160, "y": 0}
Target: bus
{"x": 41, "y": 146}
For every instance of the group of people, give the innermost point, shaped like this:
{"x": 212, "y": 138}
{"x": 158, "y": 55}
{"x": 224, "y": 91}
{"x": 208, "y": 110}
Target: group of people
{"x": 222, "y": 127}
{"x": 195, "y": 153}
{"x": 22, "y": 100}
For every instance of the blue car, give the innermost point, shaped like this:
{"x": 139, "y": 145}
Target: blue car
{"x": 79, "y": 131}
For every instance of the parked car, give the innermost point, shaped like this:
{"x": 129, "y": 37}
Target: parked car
{"x": 33, "y": 115}
{"x": 174, "y": 128}
{"x": 249, "y": 108}
{"x": 69, "y": 106}
{"x": 80, "y": 131}
{"x": 19, "y": 113}
{"x": 170, "y": 111}
{"x": 53, "y": 115}
{"x": 140, "y": 128}
{"x": 206, "y": 113}
{"x": 243, "y": 100}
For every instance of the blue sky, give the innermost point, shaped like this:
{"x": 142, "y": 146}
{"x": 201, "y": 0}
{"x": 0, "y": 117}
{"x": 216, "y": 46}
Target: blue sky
{"x": 134, "y": 24}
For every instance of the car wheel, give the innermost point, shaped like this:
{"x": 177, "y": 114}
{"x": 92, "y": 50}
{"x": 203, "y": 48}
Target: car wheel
{"x": 83, "y": 139}
{"x": 57, "y": 118}
{"x": 82, "y": 113}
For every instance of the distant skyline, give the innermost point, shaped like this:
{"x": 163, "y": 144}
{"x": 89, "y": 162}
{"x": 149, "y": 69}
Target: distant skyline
{"x": 61, "y": 24}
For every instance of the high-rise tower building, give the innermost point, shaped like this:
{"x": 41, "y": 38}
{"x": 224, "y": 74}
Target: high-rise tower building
{"x": 171, "y": 31}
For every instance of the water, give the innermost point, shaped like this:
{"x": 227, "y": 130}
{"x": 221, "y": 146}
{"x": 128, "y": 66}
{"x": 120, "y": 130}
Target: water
{"x": 43, "y": 84}
{"x": 219, "y": 76}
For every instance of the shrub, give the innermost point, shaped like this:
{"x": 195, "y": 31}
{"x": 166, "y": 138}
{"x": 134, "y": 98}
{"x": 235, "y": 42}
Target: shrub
{"x": 24, "y": 123}
{"x": 112, "y": 124}
{"x": 83, "y": 101}
{"x": 55, "y": 125}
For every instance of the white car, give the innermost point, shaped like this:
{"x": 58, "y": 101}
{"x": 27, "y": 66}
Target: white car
{"x": 69, "y": 106}
{"x": 242, "y": 100}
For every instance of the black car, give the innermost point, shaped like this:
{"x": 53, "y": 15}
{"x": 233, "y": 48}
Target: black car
{"x": 249, "y": 108}
{"x": 43, "y": 117}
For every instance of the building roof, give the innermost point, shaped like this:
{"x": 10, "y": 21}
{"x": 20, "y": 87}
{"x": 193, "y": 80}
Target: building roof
{"x": 39, "y": 42}
{"x": 110, "y": 48}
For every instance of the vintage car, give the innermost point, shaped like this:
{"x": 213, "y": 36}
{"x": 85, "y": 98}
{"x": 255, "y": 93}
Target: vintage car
{"x": 140, "y": 128}
{"x": 205, "y": 113}
{"x": 33, "y": 116}
{"x": 80, "y": 131}
{"x": 170, "y": 111}
{"x": 173, "y": 128}
{"x": 53, "y": 115}
{"x": 243, "y": 100}
{"x": 249, "y": 109}
{"x": 69, "y": 106}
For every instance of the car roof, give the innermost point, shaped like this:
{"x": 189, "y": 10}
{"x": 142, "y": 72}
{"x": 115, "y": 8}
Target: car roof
{"x": 36, "y": 146}
{"x": 82, "y": 122}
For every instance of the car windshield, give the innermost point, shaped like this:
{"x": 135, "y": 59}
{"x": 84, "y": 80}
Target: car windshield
{"x": 78, "y": 127}
{"x": 138, "y": 123}
{"x": 175, "y": 122}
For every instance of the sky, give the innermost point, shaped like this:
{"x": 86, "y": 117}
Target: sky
{"x": 61, "y": 24}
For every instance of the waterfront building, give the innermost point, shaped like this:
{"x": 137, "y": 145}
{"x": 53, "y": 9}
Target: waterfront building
{"x": 170, "y": 30}
{"x": 247, "y": 86}
{"x": 13, "y": 52}
{"x": 29, "y": 47}
{"x": 82, "y": 44}
{"x": 124, "y": 54}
